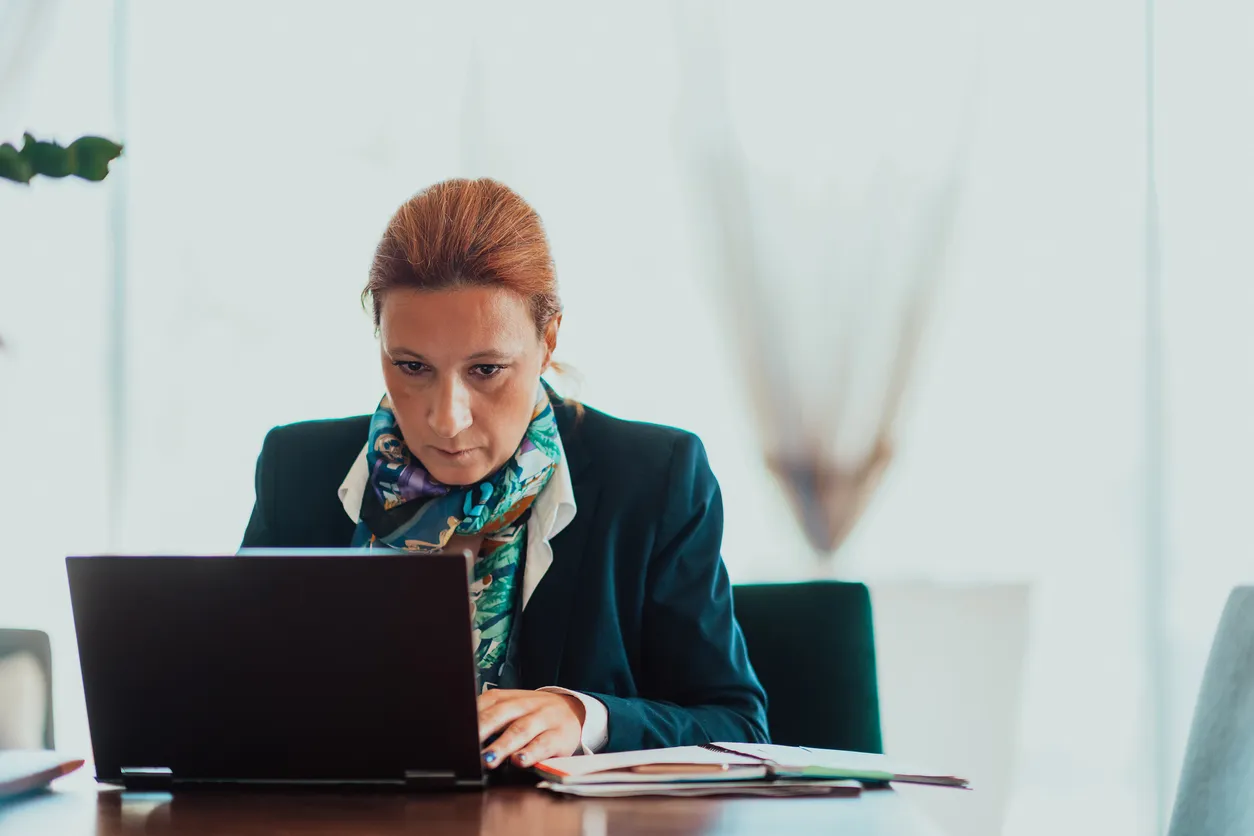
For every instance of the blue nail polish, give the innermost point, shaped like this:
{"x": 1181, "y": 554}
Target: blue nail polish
{"x": 489, "y": 757}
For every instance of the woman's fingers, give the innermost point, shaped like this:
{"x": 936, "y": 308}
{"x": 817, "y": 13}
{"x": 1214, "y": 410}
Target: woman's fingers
{"x": 542, "y": 724}
{"x": 500, "y": 714}
{"x": 519, "y": 733}
{"x": 547, "y": 744}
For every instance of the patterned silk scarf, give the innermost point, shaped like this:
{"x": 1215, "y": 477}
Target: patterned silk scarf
{"x": 409, "y": 510}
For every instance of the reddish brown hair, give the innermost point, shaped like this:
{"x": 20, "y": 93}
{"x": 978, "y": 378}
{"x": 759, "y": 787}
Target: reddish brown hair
{"x": 466, "y": 232}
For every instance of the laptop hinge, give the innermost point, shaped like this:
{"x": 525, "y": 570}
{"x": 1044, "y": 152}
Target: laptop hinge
{"x": 147, "y": 777}
{"x": 429, "y": 779}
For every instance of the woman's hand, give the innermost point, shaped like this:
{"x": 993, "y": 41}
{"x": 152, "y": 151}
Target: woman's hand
{"x": 533, "y": 726}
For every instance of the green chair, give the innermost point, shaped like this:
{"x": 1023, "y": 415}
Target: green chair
{"x": 813, "y": 647}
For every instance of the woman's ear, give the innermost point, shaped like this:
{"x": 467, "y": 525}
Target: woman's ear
{"x": 550, "y": 341}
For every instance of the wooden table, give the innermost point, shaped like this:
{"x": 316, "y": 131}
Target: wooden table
{"x": 508, "y": 810}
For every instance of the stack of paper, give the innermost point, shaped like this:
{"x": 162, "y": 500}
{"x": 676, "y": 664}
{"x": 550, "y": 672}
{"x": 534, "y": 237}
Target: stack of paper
{"x": 728, "y": 768}
{"x": 652, "y": 766}
{"x": 785, "y": 788}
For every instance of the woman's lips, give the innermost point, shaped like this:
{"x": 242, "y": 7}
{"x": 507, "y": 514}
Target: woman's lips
{"x": 456, "y": 455}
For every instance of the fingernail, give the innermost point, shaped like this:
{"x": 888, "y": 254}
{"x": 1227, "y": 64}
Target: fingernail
{"x": 522, "y": 759}
{"x": 489, "y": 757}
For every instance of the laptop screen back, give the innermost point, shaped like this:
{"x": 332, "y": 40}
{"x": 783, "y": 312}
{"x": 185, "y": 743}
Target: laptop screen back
{"x": 318, "y": 668}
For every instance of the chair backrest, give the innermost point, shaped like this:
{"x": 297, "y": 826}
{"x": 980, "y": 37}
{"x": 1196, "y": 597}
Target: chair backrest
{"x": 1215, "y": 796}
{"x": 23, "y": 646}
{"x": 813, "y": 647}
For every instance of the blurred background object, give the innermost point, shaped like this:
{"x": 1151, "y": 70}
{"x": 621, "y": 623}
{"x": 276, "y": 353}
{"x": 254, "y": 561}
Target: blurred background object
{"x": 24, "y": 26}
{"x": 951, "y": 671}
{"x": 826, "y": 206}
{"x": 1213, "y": 798}
{"x": 198, "y": 306}
{"x": 26, "y": 717}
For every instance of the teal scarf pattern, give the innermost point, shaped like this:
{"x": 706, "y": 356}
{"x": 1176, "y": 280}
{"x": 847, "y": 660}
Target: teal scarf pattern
{"x": 405, "y": 508}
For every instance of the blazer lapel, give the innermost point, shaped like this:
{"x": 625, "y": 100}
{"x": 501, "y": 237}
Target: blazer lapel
{"x": 546, "y": 620}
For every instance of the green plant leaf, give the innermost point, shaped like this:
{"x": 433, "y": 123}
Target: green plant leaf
{"x": 91, "y": 156}
{"x": 13, "y": 166}
{"x": 87, "y": 157}
{"x": 47, "y": 158}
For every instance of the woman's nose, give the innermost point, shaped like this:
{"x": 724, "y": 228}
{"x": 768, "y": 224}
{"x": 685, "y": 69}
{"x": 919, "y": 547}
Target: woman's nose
{"x": 450, "y": 414}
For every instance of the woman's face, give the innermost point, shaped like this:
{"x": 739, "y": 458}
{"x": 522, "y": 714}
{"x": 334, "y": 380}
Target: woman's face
{"x": 462, "y": 368}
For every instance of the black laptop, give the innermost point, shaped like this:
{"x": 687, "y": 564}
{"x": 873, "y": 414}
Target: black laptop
{"x": 314, "y": 668}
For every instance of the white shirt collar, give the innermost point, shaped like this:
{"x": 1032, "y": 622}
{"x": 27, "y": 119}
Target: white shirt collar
{"x": 553, "y": 510}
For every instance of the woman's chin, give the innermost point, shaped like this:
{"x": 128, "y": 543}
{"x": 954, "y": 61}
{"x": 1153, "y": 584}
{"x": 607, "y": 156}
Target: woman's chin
{"x": 458, "y": 475}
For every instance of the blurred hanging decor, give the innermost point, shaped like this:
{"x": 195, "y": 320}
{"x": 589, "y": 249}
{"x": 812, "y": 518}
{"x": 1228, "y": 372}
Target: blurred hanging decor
{"x": 826, "y": 184}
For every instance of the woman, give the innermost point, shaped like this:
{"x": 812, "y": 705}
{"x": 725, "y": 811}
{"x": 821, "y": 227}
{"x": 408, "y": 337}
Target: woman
{"x": 601, "y": 605}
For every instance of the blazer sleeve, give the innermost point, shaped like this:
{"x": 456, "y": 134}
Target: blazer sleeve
{"x": 693, "y": 656}
{"x": 261, "y": 531}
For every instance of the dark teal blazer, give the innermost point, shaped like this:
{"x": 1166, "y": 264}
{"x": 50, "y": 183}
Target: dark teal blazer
{"x": 636, "y": 609}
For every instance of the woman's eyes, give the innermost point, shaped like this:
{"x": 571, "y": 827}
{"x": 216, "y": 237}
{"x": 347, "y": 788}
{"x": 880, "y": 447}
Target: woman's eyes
{"x": 410, "y": 367}
{"x": 484, "y": 371}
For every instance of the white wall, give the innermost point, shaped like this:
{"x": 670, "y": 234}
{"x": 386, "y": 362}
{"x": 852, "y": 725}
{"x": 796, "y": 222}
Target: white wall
{"x": 1206, "y": 181}
{"x": 268, "y": 143}
{"x": 54, "y": 294}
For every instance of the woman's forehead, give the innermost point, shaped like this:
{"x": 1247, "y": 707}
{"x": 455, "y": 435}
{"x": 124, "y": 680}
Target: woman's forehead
{"x": 471, "y": 323}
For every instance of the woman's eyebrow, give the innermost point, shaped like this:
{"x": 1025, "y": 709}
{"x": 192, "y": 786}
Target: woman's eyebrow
{"x": 489, "y": 356}
{"x": 400, "y": 349}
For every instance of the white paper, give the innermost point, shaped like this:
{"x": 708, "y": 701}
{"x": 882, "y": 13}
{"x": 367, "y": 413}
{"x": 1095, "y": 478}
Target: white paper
{"x": 614, "y": 767}
{"x": 805, "y": 756}
{"x": 689, "y": 790}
